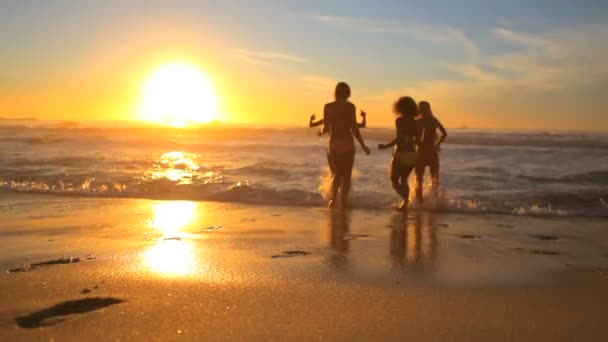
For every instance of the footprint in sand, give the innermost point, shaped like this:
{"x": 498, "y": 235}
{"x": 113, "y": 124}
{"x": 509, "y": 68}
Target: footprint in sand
{"x": 173, "y": 238}
{"x": 537, "y": 251}
{"x": 543, "y": 237}
{"x": 58, "y": 312}
{"x": 470, "y": 236}
{"x": 60, "y": 261}
{"x": 213, "y": 228}
{"x": 354, "y": 236}
{"x": 289, "y": 254}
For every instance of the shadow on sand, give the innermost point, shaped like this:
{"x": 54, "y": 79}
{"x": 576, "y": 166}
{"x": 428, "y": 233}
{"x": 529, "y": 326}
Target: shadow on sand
{"x": 55, "y": 314}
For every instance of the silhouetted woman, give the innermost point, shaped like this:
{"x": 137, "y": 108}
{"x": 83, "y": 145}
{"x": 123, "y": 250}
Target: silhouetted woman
{"x": 429, "y": 146}
{"x": 404, "y": 157}
{"x": 340, "y": 121}
{"x": 312, "y": 123}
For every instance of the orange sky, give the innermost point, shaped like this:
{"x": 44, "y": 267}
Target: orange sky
{"x": 280, "y": 66}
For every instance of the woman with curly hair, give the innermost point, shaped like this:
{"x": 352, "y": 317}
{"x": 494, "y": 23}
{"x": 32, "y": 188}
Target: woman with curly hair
{"x": 405, "y": 142}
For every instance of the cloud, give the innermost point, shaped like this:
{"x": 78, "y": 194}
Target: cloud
{"x": 263, "y": 57}
{"x": 317, "y": 82}
{"x": 434, "y": 34}
{"x": 540, "y": 73}
{"x": 521, "y": 38}
{"x": 557, "y": 59}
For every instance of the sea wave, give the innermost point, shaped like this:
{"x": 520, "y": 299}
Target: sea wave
{"x": 561, "y": 204}
{"x": 599, "y": 176}
{"x": 40, "y": 133}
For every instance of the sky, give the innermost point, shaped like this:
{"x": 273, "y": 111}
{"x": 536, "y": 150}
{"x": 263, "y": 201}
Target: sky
{"x": 481, "y": 64}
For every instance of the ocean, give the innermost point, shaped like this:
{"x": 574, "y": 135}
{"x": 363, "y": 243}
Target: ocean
{"x": 499, "y": 172}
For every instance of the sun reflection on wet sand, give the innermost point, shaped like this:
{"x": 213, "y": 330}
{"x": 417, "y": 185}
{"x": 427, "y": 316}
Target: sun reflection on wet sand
{"x": 172, "y": 256}
{"x": 171, "y": 217}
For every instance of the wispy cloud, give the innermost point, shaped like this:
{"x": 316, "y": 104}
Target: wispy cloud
{"x": 520, "y": 38}
{"x": 317, "y": 82}
{"x": 557, "y": 59}
{"x": 434, "y": 34}
{"x": 263, "y": 57}
{"x": 513, "y": 85}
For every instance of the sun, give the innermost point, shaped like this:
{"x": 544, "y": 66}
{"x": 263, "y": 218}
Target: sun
{"x": 178, "y": 94}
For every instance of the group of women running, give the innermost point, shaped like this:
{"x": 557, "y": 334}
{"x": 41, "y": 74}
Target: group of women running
{"x": 416, "y": 144}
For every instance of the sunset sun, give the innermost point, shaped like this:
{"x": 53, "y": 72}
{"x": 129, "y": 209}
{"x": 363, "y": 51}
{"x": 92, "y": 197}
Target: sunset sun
{"x": 178, "y": 95}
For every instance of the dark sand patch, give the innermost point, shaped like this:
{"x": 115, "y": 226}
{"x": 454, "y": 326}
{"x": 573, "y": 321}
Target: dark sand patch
{"x": 289, "y": 254}
{"x": 502, "y": 225}
{"x": 211, "y": 228}
{"x": 543, "y": 237}
{"x": 54, "y": 314}
{"x": 173, "y": 238}
{"x": 85, "y": 291}
{"x": 60, "y": 261}
{"x": 443, "y": 225}
{"x": 470, "y": 236}
{"x": 354, "y": 236}
{"x": 537, "y": 251}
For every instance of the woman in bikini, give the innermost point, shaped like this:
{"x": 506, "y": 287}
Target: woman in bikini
{"x": 405, "y": 142}
{"x": 312, "y": 123}
{"x": 340, "y": 121}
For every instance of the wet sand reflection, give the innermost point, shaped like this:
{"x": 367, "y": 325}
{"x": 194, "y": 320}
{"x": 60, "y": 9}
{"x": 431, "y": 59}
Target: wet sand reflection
{"x": 171, "y": 255}
{"x": 413, "y": 241}
{"x": 338, "y": 228}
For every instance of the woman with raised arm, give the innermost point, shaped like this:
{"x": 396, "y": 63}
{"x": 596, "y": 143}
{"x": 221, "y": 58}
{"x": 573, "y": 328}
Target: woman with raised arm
{"x": 340, "y": 121}
{"x": 312, "y": 123}
{"x": 406, "y": 139}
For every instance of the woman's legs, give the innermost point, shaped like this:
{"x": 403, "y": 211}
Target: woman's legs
{"x": 399, "y": 175}
{"x": 434, "y": 168}
{"x": 349, "y": 162}
{"x": 343, "y": 168}
{"x": 330, "y": 162}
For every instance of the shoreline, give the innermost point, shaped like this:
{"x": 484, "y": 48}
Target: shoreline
{"x": 4, "y": 193}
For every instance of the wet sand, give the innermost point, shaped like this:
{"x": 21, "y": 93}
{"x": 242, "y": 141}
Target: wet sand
{"x": 128, "y": 269}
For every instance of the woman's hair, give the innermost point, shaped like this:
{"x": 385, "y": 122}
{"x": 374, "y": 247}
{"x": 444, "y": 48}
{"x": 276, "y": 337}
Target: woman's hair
{"x": 425, "y": 108}
{"x": 406, "y": 106}
{"x": 342, "y": 91}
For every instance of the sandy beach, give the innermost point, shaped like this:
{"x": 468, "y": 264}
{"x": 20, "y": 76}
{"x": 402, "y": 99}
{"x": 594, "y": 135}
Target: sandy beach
{"x": 133, "y": 269}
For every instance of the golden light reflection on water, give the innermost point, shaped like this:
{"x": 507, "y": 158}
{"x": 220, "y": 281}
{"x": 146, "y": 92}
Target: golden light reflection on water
{"x": 172, "y": 256}
{"x": 176, "y": 166}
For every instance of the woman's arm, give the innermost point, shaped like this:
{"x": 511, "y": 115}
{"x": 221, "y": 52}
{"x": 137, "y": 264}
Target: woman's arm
{"x": 394, "y": 141}
{"x": 312, "y": 123}
{"x": 357, "y": 133}
{"x": 389, "y": 145}
{"x": 444, "y": 133}
{"x": 363, "y": 123}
